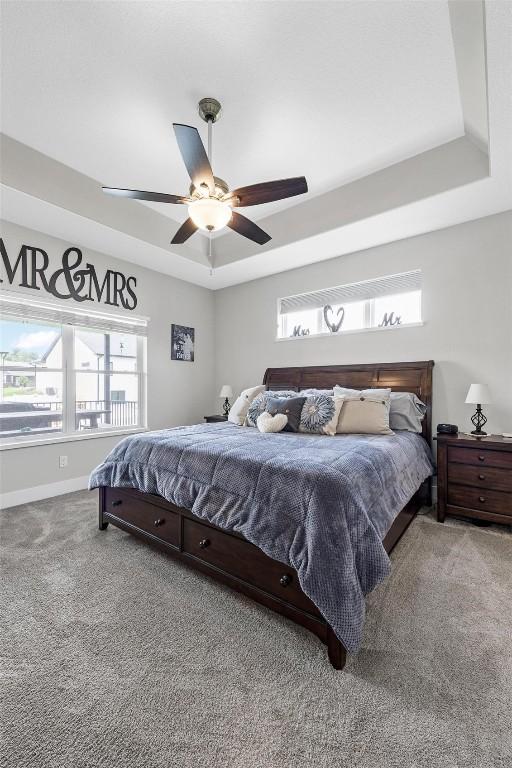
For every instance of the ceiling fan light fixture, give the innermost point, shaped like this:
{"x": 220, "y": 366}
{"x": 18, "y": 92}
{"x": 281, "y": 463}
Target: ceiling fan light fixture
{"x": 210, "y": 214}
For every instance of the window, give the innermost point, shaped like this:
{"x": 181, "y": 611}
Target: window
{"x": 68, "y": 378}
{"x": 386, "y": 302}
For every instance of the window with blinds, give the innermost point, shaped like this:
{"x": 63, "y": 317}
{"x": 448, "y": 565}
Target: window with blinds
{"x": 385, "y": 302}
{"x": 68, "y": 371}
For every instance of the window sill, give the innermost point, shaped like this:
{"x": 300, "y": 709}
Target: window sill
{"x": 68, "y": 438}
{"x": 340, "y": 334}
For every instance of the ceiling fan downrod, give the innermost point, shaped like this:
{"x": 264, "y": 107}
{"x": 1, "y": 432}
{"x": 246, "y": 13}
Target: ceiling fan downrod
{"x": 209, "y": 110}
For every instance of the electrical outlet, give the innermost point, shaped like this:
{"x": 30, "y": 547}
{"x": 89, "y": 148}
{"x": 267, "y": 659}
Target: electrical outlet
{"x": 63, "y": 461}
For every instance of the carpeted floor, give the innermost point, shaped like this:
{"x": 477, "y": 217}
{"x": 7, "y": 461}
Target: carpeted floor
{"x": 114, "y": 655}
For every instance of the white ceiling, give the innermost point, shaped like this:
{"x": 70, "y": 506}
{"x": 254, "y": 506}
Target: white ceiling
{"x": 332, "y": 95}
{"x": 332, "y": 90}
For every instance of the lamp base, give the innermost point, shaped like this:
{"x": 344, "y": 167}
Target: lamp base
{"x": 479, "y": 421}
{"x": 226, "y": 407}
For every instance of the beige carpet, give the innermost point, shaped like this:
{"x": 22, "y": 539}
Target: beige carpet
{"x": 114, "y": 655}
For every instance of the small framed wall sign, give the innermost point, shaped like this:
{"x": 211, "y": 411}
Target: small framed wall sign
{"x": 182, "y": 343}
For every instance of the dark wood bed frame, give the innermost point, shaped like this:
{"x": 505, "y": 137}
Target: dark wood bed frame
{"x": 230, "y": 558}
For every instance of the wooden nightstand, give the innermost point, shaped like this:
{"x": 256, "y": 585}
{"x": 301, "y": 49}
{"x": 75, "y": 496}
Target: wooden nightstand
{"x": 474, "y": 477}
{"x": 216, "y": 417}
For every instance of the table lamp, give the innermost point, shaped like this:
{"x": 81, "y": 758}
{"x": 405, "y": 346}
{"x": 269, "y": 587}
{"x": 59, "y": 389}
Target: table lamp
{"x": 226, "y": 392}
{"x": 478, "y": 394}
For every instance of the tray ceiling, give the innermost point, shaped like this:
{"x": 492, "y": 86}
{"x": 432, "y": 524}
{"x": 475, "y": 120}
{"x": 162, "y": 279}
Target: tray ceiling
{"x": 334, "y": 91}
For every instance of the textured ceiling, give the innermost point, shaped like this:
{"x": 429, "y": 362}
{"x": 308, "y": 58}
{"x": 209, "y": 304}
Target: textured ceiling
{"x": 331, "y": 90}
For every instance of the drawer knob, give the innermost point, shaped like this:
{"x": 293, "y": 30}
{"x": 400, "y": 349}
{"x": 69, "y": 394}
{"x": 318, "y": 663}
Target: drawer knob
{"x": 160, "y": 521}
{"x": 481, "y": 458}
{"x": 481, "y": 499}
{"x": 204, "y": 543}
{"x": 285, "y": 579}
{"x": 117, "y": 503}
{"x": 481, "y": 477}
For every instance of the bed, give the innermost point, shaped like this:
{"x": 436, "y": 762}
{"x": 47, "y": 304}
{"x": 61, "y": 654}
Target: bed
{"x": 300, "y": 523}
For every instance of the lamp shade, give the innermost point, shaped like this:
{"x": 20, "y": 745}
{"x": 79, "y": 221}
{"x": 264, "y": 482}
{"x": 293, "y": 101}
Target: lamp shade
{"x": 478, "y": 394}
{"x": 226, "y": 391}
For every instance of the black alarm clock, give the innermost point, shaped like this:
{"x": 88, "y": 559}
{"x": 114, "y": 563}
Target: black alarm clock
{"x": 447, "y": 429}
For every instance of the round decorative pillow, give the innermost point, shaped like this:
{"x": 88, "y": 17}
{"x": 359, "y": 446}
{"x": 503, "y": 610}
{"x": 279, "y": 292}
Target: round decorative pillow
{"x": 320, "y": 414}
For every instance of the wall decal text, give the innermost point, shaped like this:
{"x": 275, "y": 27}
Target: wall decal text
{"x": 30, "y": 270}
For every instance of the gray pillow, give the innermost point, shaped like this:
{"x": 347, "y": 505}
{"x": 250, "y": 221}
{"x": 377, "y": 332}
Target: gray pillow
{"x": 290, "y": 406}
{"x": 406, "y": 411}
{"x": 259, "y": 404}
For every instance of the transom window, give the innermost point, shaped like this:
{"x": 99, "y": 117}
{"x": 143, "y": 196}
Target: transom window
{"x": 386, "y": 302}
{"x": 67, "y": 378}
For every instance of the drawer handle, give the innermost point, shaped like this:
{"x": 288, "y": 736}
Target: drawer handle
{"x": 160, "y": 521}
{"x": 285, "y": 580}
{"x": 481, "y": 458}
{"x": 481, "y": 499}
{"x": 204, "y": 543}
{"x": 481, "y": 477}
{"x": 117, "y": 503}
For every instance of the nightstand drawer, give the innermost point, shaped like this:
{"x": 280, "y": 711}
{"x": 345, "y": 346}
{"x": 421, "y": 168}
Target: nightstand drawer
{"x": 480, "y": 457}
{"x": 474, "y": 498}
{"x": 481, "y": 477}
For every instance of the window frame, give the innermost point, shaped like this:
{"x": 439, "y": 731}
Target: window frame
{"x": 369, "y": 320}
{"x": 69, "y": 432}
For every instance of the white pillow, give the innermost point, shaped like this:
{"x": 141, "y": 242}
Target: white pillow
{"x": 239, "y": 409}
{"x": 364, "y": 392}
{"x": 268, "y": 423}
{"x": 365, "y": 415}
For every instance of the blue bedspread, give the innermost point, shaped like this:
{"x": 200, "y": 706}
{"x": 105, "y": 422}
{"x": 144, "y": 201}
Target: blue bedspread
{"x": 320, "y": 504}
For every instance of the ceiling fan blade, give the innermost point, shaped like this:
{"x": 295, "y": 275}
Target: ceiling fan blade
{"x": 269, "y": 191}
{"x": 248, "y": 228}
{"x": 184, "y": 232}
{"x": 194, "y": 155}
{"x": 155, "y": 197}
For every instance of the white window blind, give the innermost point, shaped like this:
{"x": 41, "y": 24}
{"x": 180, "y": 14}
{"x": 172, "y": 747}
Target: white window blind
{"x": 23, "y": 307}
{"x": 390, "y": 285}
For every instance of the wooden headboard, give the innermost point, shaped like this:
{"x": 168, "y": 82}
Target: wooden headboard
{"x": 402, "y": 377}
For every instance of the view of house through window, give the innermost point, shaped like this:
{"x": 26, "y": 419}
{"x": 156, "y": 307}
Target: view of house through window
{"x": 66, "y": 379}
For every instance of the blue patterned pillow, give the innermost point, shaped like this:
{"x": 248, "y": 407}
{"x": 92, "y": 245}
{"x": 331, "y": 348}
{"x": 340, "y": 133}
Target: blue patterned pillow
{"x": 259, "y": 404}
{"x": 320, "y": 414}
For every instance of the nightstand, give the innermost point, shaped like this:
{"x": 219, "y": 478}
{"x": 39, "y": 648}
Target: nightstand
{"x": 216, "y": 417}
{"x": 474, "y": 477}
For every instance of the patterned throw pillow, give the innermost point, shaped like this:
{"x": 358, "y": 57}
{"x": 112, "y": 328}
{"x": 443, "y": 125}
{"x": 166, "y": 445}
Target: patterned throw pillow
{"x": 320, "y": 414}
{"x": 291, "y": 407}
{"x": 259, "y": 404}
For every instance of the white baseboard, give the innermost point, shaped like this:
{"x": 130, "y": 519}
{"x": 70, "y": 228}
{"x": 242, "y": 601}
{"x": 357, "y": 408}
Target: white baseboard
{"x": 38, "y": 492}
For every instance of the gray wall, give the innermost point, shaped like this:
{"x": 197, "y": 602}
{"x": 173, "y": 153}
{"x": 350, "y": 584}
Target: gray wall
{"x": 177, "y": 392}
{"x": 467, "y": 310}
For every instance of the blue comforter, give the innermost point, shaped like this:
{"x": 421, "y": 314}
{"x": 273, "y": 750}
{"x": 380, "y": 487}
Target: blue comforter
{"x": 320, "y": 504}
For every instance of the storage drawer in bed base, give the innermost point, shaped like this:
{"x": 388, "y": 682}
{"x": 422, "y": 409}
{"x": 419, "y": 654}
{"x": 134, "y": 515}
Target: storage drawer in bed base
{"x": 228, "y": 557}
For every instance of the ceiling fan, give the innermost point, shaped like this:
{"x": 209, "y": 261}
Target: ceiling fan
{"x": 210, "y": 201}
